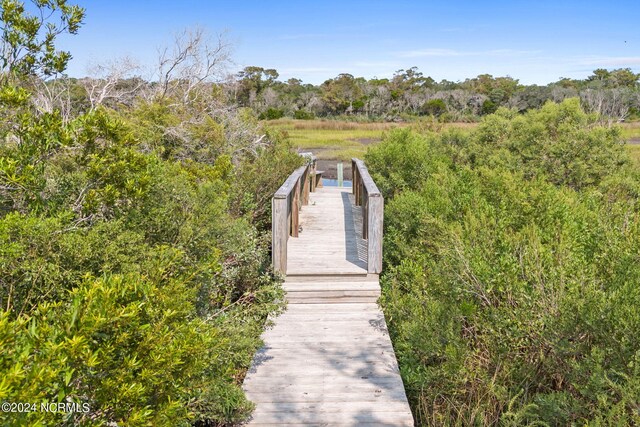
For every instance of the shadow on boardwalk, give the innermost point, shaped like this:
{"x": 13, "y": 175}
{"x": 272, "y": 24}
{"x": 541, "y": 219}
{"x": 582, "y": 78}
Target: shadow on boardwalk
{"x": 327, "y": 365}
{"x": 356, "y": 246}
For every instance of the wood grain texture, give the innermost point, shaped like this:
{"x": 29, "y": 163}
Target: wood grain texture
{"x": 327, "y": 364}
{"x": 280, "y": 234}
{"x": 328, "y": 242}
{"x": 367, "y": 195}
{"x": 328, "y": 359}
{"x": 375, "y": 215}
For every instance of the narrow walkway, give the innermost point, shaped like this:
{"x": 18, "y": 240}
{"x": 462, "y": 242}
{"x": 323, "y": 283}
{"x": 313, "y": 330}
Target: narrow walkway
{"x": 328, "y": 360}
{"x": 328, "y": 242}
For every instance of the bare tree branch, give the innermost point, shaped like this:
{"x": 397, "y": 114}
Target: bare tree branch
{"x": 107, "y": 82}
{"x": 193, "y": 60}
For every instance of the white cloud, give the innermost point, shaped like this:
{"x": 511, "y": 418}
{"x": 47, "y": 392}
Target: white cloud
{"x": 610, "y": 61}
{"x": 435, "y": 52}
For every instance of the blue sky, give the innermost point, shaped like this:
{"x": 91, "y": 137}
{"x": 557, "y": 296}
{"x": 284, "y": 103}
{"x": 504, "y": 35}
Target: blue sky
{"x": 535, "y": 41}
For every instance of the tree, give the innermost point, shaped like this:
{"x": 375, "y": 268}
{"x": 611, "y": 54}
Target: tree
{"x": 529, "y": 97}
{"x": 193, "y": 60}
{"x": 28, "y": 58}
{"x": 252, "y": 81}
{"x": 341, "y": 92}
{"x": 28, "y": 39}
{"x": 611, "y": 105}
{"x": 409, "y": 80}
{"x": 622, "y": 77}
{"x": 108, "y": 82}
{"x": 625, "y": 77}
{"x": 599, "y": 75}
{"x": 435, "y": 107}
{"x": 498, "y": 89}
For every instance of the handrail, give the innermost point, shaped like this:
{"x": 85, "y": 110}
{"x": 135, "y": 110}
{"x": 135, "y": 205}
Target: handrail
{"x": 286, "y": 204}
{"x": 369, "y": 197}
{"x": 285, "y": 189}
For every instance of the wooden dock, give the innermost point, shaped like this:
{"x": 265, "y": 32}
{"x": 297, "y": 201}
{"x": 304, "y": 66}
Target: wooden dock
{"x": 328, "y": 360}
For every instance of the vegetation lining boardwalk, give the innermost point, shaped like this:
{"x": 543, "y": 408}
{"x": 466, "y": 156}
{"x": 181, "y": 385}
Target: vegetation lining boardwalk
{"x": 328, "y": 360}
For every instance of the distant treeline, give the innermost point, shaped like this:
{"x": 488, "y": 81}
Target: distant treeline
{"x": 613, "y": 94}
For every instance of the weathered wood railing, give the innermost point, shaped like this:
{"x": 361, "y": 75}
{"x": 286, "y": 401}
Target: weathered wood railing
{"x": 368, "y": 196}
{"x": 286, "y": 204}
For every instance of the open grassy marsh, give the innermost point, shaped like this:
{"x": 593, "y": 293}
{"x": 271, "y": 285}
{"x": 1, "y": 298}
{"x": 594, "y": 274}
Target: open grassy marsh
{"x": 332, "y": 140}
{"x": 339, "y": 140}
{"x": 631, "y": 131}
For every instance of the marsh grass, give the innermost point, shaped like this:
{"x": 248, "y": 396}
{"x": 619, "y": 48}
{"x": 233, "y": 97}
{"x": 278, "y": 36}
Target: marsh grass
{"x": 331, "y": 139}
{"x": 319, "y": 124}
{"x": 630, "y": 130}
{"x": 634, "y": 152}
{"x": 340, "y": 140}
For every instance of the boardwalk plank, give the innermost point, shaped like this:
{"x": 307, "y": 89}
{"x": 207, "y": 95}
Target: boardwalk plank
{"x": 328, "y": 360}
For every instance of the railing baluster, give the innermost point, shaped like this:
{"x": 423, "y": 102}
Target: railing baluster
{"x": 294, "y": 193}
{"x": 368, "y": 196}
{"x": 286, "y": 205}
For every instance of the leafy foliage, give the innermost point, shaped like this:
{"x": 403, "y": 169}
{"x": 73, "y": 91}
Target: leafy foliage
{"x": 28, "y": 38}
{"x": 510, "y": 286}
{"x": 166, "y": 289}
{"x": 408, "y": 94}
{"x": 560, "y": 141}
{"x": 134, "y": 265}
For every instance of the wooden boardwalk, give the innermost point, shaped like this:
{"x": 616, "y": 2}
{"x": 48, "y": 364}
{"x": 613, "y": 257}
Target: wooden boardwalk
{"x": 328, "y": 242}
{"x": 328, "y": 360}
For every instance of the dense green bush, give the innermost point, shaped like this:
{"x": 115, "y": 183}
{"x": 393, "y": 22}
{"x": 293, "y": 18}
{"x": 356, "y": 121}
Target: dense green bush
{"x": 512, "y": 296}
{"x": 272, "y": 114}
{"x": 560, "y": 141}
{"x": 434, "y": 107}
{"x": 303, "y": 115}
{"x": 131, "y": 348}
{"x": 135, "y": 275}
{"x": 134, "y": 271}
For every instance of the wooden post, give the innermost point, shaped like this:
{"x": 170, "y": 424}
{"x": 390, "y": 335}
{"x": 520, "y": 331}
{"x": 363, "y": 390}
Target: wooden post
{"x": 355, "y": 183}
{"x": 295, "y": 209}
{"x": 285, "y": 208}
{"x": 368, "y": 196}
{"x": 306, "y": 187}
{"x": 375, "y": 216}
{"x": 365, "y": 218}
{"x": 279, "y": 234}
{"x": 312, "y": 173}
{"x": 359, "y": 188}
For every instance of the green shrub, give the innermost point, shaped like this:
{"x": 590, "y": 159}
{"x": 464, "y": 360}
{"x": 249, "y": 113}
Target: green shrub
{"x": 488, "y": 107}
{"x": 559, "y": 141}
{"x": 303, "y": 115}
{"x": 434, "y": 107}
{"x": 512, "y": 296}
{"x": 272, "y": 114}
{"x": 129, "y": 347}
{"x": 131, "y": 283}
